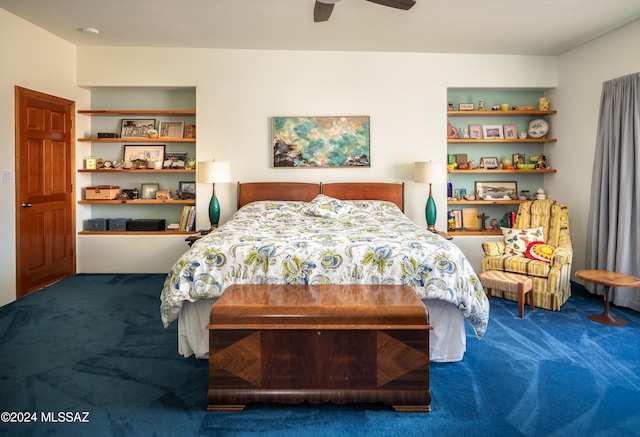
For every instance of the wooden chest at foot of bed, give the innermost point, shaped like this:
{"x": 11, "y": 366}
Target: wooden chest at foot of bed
{"x": 319, "y": 343}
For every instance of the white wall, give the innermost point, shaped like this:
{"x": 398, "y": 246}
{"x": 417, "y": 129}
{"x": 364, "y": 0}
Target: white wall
{"x": 34, "y": 59}
{"x": 581, "y": 73}
{"x": 238, "y": 91}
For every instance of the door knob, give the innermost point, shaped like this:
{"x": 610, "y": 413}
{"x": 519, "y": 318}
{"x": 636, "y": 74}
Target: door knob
{"x": 27, "y": 205}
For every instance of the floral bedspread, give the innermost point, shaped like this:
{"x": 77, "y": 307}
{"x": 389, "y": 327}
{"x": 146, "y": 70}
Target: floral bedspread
{"x": 325, "y": 241}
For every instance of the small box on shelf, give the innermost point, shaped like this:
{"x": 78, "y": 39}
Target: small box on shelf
{"x": 146, "y": 225}
{"x": 118, "y": 224}
{"x": 102, "y": 192}
{"x": 97, "y": 224}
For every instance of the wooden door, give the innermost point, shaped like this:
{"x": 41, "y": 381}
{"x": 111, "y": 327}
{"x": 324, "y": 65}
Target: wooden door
{"x": 45, "y": 228}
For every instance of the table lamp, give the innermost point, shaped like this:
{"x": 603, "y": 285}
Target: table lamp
{"x": 212, "y": 172}
{"x": 425, "y": 173}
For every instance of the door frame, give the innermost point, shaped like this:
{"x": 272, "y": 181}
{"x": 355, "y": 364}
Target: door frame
{"x": 71, "y": 137}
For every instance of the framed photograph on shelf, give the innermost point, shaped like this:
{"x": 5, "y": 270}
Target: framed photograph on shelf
{"x": 188, "y": 187}
{"x": 137, "y": 128}
{"x": 510, "y": 131}
{"x": 496, "y": 190}
{"x": 492, "y": 132}
{"x": 175, "y": 160}
{"x": 149, "y": 191}
{"x": 518, "y": 158}
{"x": 475, "y": 131}
{"x": 146, "y": 152}
{"x": 489, "y": 162}
{"x": 171, "y": 129}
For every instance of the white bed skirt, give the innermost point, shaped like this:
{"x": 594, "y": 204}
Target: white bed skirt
{"x": 447, "y": 340}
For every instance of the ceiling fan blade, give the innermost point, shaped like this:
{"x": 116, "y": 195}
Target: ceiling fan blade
{"x": 322, "y": 11}
{"x": 398, "y": 4}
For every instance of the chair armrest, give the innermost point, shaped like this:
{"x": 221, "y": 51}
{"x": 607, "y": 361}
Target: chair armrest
{"x": 493, "y": 248}
{"x": 562, "y": 255}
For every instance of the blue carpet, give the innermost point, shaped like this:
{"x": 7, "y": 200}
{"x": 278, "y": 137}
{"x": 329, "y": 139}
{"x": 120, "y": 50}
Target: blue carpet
{"x": 95, "y": 344}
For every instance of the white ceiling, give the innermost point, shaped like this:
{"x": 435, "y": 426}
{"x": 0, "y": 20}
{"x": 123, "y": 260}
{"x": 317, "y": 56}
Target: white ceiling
{"x": 528, "y": 27}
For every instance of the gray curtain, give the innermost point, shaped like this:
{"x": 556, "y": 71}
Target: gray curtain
{"x": 614, "y": 214}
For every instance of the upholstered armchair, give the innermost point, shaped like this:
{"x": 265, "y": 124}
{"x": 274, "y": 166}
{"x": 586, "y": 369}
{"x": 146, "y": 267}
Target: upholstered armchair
{"x": 550, "y": 279}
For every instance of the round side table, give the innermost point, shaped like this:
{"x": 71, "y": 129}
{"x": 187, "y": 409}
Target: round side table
{"x": 608, "y": 279}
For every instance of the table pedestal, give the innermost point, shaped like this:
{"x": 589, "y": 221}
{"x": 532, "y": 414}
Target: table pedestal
{"x": 606, "y": 318}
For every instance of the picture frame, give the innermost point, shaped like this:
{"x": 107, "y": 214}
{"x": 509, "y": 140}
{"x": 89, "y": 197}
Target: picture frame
{"x": 175, "y": 160}
{"x": 510, "y": 131}
{"x": 149, "y": 191}
{"x": 465, "y": 106}
{"x": 493, "y": 132}
{"x": 146, "y": 152}
{"x": 489, "y": 162}
{"x": 518, "y": 158}
{"x": 475, "y": 131}
{"x": 136, "y": 128}
{"x": 496, "y": 190}
{"x": 321, "y": 142}
{"x": 188, "y": 187}
{"x": 128, "y": 192}
{"x": 171, "y": 129}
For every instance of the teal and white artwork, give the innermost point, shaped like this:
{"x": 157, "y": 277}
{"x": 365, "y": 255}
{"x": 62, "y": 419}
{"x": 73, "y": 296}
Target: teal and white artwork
{"x": 321, "y": 141}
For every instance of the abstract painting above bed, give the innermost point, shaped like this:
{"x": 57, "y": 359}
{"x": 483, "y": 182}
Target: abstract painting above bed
{"x": 325, "y": 241}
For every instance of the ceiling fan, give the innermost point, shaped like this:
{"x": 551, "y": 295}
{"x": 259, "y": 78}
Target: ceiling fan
{"x": 323, "y": 8}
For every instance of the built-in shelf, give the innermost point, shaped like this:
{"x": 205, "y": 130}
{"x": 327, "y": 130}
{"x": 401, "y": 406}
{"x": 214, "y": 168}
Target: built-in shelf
{"x": 499, "y": 113}
{"x": 492, "y": 140}
{"x": 485, "y": 202}
{"x": 137, "y": 140}
{"x": 176, "y": 112}
{"x": 481, "y": 170}
{"x": 139, "y": 202}
{"x": 139, "y": 170}
{"x": 102, "y": 233}
{"x": 474, "y": 233}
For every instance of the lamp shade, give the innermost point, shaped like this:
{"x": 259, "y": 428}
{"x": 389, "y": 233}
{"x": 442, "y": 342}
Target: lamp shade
{"x": 429, "y": 172}
{"x": 211, "y": 172}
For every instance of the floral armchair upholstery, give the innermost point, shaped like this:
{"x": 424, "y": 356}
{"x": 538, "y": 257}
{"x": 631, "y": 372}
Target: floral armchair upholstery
{"x": 551, "y": 280}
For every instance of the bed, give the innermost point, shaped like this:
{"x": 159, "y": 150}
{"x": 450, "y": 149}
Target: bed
{"x": 306, "y": 233}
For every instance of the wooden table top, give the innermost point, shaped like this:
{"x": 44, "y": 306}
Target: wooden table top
{"x": 611, "y": 279}
{"x": 313, "y": 306}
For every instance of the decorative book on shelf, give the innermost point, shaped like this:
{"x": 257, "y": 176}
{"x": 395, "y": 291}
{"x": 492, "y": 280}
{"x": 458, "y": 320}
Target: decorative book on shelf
{"x": 188, "y": 218}
{"x": 470, "y": 218}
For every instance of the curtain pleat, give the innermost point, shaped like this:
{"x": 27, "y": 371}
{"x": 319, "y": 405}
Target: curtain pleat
{"x": 613, "y": 241}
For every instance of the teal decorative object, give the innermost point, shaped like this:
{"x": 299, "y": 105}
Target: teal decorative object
{"x": 214, "y": 210}
{"x": 212, "y": 172}
{"x": 430, "y": 212}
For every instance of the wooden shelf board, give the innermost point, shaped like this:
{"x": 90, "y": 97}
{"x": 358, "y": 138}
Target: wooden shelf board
{"x": 499, "y": 113}
{"x": 485, "y": 202}
{"x": 459, "y": 233}
{"x": 138, "y": 202}
{"x": 137, "y": 140}
{"x": 109, "y": 233}
{"x": 479, "y": 170}
{"x": 184, "y": 112}
{"x": 514, "y": 140}
{"x": 130, "y": 170}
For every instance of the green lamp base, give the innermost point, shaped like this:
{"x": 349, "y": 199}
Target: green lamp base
{"x": 214, "y": 211}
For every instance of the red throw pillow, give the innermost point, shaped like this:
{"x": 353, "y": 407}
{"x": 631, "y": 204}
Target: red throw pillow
{"x": 539, "y": 250}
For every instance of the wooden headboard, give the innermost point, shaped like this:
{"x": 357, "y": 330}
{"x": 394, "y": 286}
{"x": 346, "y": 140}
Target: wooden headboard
{"x": 366, "y": 191}
{"x": 255, "y": 191}
{"x": 306, "y": 191}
